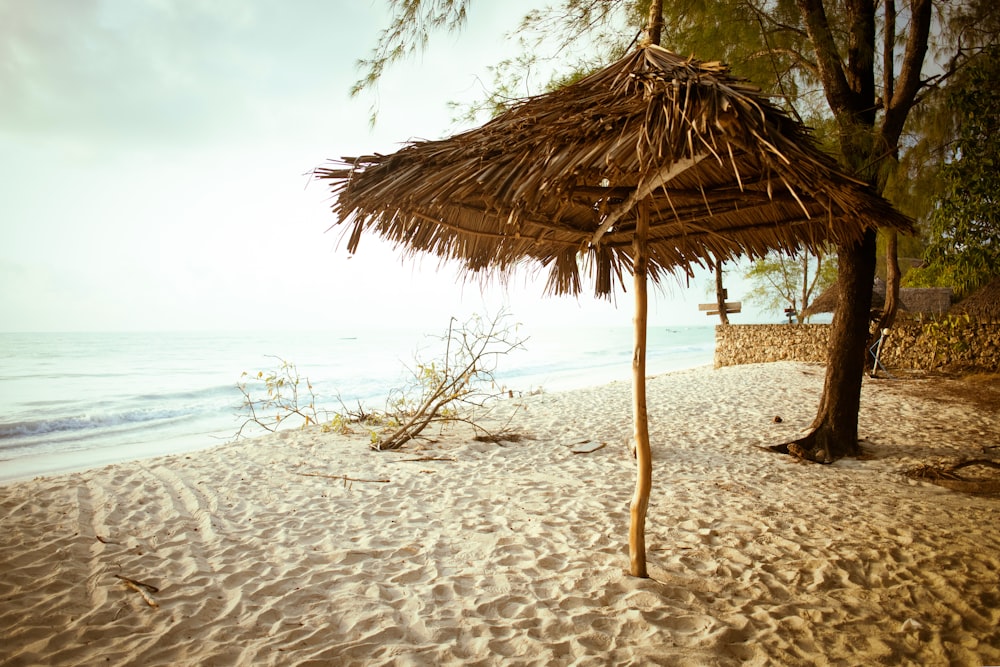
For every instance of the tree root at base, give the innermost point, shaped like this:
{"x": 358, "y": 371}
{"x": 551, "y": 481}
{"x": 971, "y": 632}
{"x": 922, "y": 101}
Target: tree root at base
{"x": 815, "y": 448}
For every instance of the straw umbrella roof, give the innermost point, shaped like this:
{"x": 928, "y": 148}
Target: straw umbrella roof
{"x": 983, "y": 304}
{"x": 556, "y": 179}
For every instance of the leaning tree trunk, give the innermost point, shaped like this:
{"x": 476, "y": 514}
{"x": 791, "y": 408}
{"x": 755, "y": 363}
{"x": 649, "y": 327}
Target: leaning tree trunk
{"x": 834, "y": 432}
{"x": 892, "y": 278}
{"x": 891, "y": 307}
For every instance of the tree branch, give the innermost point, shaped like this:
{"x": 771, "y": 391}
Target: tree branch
{"x": 889, "y": 51}
{"x": 908, "y": 83}
{"x": 471, "y": 353}
{"x": 831, "y": 69}
{"x": 799, "y": 58}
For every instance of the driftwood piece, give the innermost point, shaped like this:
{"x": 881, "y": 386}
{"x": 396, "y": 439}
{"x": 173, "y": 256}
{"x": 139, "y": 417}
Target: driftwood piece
{"x": 451, "y": 459}
{"x": 988, "y": 463}
{"x": 345, "y": 478}
{"x": 587, "y": 446}
{"x": 141, "y": 588}
{"x": 950, "y": 479}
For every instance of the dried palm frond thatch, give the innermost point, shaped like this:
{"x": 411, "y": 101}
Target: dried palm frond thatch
{"x": 983, "y": 304}
{"x": 829, "y": 299}
{"x": 556, "y": 179}
{"x": 912, "y": 300}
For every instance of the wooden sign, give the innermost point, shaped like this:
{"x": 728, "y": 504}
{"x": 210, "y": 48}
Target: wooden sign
{"x": 713, "y": 308}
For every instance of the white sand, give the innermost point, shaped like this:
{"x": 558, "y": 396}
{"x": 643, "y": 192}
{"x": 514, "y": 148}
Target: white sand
{"x": 515, "y": 554}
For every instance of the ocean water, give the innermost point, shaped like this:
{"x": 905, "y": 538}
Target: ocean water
{"x": 74, "y": 400}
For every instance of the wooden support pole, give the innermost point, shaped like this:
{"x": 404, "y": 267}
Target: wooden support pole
{"x": 644, "y": 462}
{"x": 720, "y": 293}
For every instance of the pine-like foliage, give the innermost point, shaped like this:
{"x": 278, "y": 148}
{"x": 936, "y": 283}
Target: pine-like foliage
{"x": 965, "y": 222}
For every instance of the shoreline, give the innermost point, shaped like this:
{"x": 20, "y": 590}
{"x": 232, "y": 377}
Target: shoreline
{"x": 303, "y": 547}
{"x": 50, "y": 464}
{"x": 51, "y": 460}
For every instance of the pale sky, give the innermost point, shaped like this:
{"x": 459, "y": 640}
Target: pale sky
{"x": 154, "y": 160}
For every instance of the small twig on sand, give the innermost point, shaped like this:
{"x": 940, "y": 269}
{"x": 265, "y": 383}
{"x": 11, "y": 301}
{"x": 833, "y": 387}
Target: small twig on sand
{"x": 149, "y": 587}
{"x": 428, "y": 458}
{"x": 104, "y": 540}
{"x": 141, "y": 588}
{"x": 499, "y": 438}
{"x": 345, "y": 478}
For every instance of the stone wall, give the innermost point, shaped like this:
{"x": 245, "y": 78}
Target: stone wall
{"x": 934, "y": 345}
{"x": 762, "y": 343}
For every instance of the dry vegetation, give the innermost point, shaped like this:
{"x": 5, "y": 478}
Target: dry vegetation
{"x": 979, "y": 472}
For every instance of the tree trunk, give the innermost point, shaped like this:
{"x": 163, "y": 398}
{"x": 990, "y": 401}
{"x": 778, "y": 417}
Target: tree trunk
{"x": 640, "y": 418}
{"x": 654, "y": 27}
{"x": 834, "y": 432}
{"x": 892, "y": 277}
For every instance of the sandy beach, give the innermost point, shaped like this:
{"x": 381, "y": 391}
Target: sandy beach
{"x": 308, "y": 548}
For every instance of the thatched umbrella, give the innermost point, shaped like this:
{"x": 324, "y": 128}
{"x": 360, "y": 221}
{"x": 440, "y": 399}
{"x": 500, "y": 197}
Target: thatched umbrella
{"x": 653, "y": 164}
{"x": 983, "y": 304}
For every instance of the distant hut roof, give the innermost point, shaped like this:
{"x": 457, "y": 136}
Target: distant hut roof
{"x": 936, "y": 300}
{"x": 827, "y": 301}
{"x": 983, "y": 304}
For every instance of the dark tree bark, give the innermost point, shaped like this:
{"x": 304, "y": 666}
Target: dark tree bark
{"x": 834, "y": 432}
{"x": 892, "y": 272}
{"x": 892, "y": 278}
{"x": 898, "y": 101}
{"x": 849, "y": 84}
{"x": 850, "y": 92}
